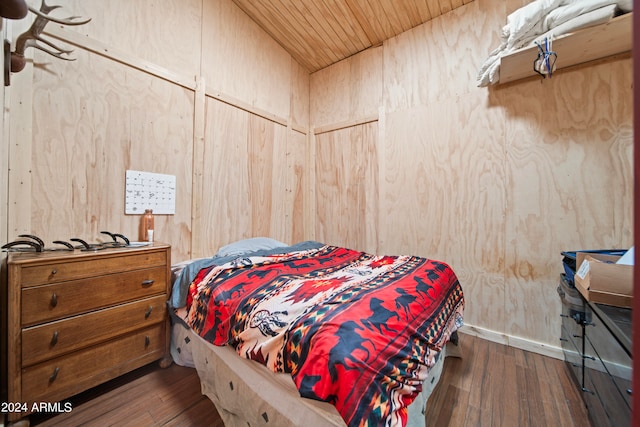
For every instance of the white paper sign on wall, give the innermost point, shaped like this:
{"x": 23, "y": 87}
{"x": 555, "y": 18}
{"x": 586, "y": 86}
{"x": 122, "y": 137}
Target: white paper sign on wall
{"x": 146, "y": 190}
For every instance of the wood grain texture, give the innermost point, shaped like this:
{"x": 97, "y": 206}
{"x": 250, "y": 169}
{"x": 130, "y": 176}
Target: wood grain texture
{"x": 18, "y": 129}
{"x": 347, "y": 90}
{"x": 94, "y": 119}
{"x": 60, "y": 34}
{"x": 199, "y": 131}
{"x": 242, "y": 61}
{"x": 142, "y": 28}
{"x": 4, "y": 160}
{"x": 147, "y": 396}
{"x": 495, "y": 182}
{"x": 299, "y": 98}
{"x": 253, "y": 178}
{"x": 321, "y": 33}
{"x": 491, "y": 384}
{"x": 346, "y": 187}
{"x": 296, "y": 196}
{"x": 79, "y": 125}
{"x": 569, "y": 180}
{"x": 581, "y": 46}
{"x": 440, "y": 60}
{"x": 442, "y": 197}
{"x": 56, "y": 368}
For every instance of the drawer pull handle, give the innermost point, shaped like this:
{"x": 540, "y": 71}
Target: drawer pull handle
{"x": 629, "y": 392}
{"x": 54, "y": 300}
{"x": 147, "y": 341}
{"x": 54, "y": 339}
{"x": 54, "y": 271}
{"x": 147, "y": 283}
{"x": 148, "y": 312}
{"x": 53, "y": 376}
{"x": 586, "y": 390}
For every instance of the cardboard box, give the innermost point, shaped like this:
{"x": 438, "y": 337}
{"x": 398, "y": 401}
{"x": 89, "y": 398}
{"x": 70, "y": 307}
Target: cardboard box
{"x": 599, "y": 279}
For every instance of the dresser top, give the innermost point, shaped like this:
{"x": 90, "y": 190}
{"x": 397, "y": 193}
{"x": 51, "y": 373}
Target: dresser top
{"x": 47, "y": 256}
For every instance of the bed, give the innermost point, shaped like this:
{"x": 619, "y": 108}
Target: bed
{"x": 342, "y": 337}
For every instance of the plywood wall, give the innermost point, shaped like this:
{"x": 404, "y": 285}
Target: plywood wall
{"x": 188, "y": 88}
{"x": 394, "y": 150}
{"x": 346, "y": 195}
{"x": 252, "y": 179}
{"x": 496, "y": 182}
{"x": 4, "y": 158}
{"x": 93, "y": 119}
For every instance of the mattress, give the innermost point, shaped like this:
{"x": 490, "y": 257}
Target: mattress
{"x": 247, "y": 393}
{"x": 363, "y": 332}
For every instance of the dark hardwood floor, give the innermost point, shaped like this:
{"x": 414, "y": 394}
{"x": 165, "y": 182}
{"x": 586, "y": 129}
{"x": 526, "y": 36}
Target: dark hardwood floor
{"x": 495, "y": 385}
{"x": 491, "y": 385}
{"x": 149, "y": 396}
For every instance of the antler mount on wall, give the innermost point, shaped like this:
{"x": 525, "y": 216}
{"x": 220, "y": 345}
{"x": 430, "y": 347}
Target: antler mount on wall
{"x": 33, "y": 38}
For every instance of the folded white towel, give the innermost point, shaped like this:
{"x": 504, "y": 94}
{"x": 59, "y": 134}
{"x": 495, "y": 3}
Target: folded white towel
{"x": 561, "y": 15}
{"x": 520, "y": 22}
{"x": 542, "y": 18}
{"x": 625, "y": 5}
{"x": 595, "y": 17}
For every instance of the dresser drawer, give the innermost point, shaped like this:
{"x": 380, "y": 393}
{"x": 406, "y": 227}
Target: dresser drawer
{"x": 62, "y": 270}
{"x": 572, "y": 355}
{"x": 59, "y": 378}
{"x": 613, "y": 358}
{"x": 573, "y": 333}
{"x": 602, "y": 397}
{"x": 53, "y": 339}
{"x": 597, "y": 413}
{"x": 50, "y": 302}
{"x": 78, "y": 319}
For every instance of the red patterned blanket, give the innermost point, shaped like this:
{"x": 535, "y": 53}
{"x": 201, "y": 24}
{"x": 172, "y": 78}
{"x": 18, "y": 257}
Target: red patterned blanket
{"x": 354, "y": 329}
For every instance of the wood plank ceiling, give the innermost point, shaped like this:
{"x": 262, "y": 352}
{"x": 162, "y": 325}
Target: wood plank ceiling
{"x": 318, "y": 33}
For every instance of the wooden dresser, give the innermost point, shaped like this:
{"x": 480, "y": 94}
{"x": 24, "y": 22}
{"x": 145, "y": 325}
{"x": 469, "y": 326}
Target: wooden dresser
{"x": 77, "y": 319}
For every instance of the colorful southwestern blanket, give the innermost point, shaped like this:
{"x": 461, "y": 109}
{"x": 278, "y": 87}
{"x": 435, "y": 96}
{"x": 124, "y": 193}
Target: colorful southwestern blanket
{"x": 357, "y": 330}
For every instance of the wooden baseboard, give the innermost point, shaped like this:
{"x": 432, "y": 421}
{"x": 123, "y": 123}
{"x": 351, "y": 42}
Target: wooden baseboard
{"x": 513, "y": 341}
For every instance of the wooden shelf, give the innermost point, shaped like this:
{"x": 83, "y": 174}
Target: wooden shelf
{"x": 588, "y": 44}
